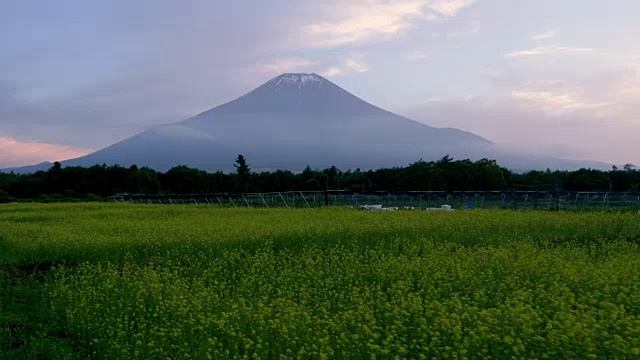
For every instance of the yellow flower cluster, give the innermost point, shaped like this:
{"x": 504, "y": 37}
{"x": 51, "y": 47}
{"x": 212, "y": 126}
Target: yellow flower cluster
{"x": 147, "y": 282}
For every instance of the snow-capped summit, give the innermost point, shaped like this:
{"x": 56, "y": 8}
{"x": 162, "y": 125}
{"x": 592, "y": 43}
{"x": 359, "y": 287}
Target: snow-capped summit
{"x": 298, "y": 79}
{"x": 299, "y": 93}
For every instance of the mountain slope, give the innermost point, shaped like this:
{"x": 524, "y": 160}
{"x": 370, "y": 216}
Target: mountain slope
{"x": 292, "y": 121}
{"x": 28, "y": 169}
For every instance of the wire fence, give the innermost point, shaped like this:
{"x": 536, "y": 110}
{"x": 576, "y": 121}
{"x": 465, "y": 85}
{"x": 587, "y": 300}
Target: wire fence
{"x": 542, "y": 200}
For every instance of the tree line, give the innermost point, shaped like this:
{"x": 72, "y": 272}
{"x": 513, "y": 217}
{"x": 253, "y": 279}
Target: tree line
{"x": 446, "y": 174}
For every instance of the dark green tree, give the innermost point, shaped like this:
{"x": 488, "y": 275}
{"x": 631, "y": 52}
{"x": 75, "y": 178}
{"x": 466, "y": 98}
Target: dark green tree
{"x": 184, "y": 180}
{"x": 143, "y": 181}
{"x": 419, "y": 176}
{"x": 309, "y": 179}
{"x": 243, "y": 173}
{"x": 487, "y": 175}
{"x": 54, "y": 177}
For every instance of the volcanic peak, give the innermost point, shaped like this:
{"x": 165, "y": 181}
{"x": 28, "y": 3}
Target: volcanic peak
{"x": 298, "y": 79}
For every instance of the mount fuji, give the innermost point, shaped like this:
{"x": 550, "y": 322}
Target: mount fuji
{"x": 295, "y": 120}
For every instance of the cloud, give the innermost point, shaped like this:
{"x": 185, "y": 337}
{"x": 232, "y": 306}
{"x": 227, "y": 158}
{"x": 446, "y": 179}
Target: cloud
{"x": 370, "y": 20}
{"x": 593, "y": 115}
{"x": 20, "y": 153}
{"x": 98, "y": 78}
{"x": 416, "y": 56}
{"x": 555, "y": 103}
{"x": 552, "y": 50}
{"x": 571, "y": 134}
{"x": 347, "y": 67}
{"x": 87, "y": 118}
{"x": 470, "y": 29}
{"x": 548, "y": 35}
{"x": 449, "y": 7}
{"x": 365, "y": 22}
{"x": 627, "y": 88}
{"x": 356, "y": 66}
{"x": 334, "y": 72}
{"x": 611, "y": 96}
{"x": 291, "y": 65}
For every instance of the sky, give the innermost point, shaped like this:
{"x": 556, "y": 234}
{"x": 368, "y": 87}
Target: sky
{"x": 555, "y": 77}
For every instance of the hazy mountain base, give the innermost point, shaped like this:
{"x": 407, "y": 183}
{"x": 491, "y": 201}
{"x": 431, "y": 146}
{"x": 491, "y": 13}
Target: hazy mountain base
{"x": 160, "y": 152}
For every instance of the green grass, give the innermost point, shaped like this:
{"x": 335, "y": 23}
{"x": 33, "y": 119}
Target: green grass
{"x": 122, "y": 281}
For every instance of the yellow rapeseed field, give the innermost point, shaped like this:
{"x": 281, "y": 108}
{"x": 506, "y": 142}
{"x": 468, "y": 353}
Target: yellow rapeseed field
{"x": 199, "y": 282}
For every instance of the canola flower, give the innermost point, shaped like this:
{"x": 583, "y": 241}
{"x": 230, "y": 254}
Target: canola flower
{"x": 205, "y": 283}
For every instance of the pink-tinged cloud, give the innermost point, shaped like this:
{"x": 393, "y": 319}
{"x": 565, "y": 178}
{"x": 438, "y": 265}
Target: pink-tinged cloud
{"x": 373, "y": 20}
{"x": 547, "y": 35}
{"x": 20, "y": 153}
{"x": 364, "y": 21}
{"x": 553, "y": 50}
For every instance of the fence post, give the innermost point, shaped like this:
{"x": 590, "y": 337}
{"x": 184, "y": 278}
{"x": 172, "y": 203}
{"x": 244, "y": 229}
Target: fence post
{"x": 263, "y": 201}
{"x": 305, "y": 199}
{"x": 285, "y": 201}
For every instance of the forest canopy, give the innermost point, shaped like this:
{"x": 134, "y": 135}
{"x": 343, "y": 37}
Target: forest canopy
{"x": 447, "y": 174}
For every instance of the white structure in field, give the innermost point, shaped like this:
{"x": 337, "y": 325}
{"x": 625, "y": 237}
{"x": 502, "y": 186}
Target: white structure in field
{"x": 441, "y": 208}
{"x": 381, "y": 208}
{"x": 376, "y": 208}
